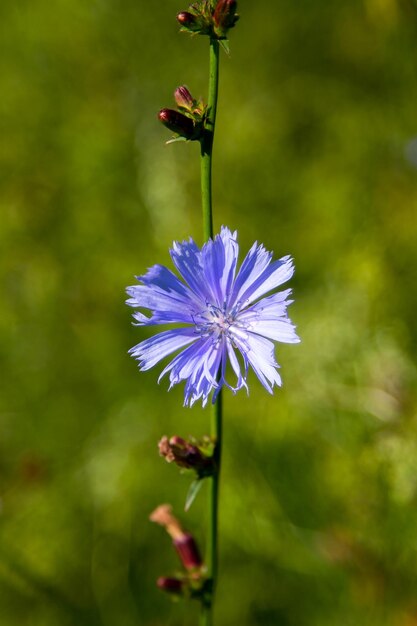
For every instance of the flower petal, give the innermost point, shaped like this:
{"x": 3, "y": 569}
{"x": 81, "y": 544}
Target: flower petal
{"x": 272, "y": 277}
{"x": 154, "y": 349}
{"x": 271, "y": 308}
{"x": 255, "y": 262}
{"x": 198, "y": 365}
{"x": 165, "y": 295}
{"x": 219, "y": 259}
{"x": 259, "y": 353}
{"x": 234, "y": 362}
{"x": 268, "y": 317}
{"x": 188, "y": 261}
{"x": 278, "y": 330}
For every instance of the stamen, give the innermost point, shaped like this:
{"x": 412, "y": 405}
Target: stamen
{"x": 218, "y": 322}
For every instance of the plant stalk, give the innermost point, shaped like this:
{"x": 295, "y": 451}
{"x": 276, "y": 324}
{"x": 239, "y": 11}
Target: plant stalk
{"x": 207, "y": 141}
{"x": 206, "y": 618}
{"x": 212, "y": 539}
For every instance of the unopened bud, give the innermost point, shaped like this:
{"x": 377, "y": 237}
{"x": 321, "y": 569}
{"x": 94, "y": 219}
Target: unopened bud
{"x": 189, "y": 21}
{"x": 177, "y": 122}
{"x": 188, "y": 551}
{"x": 183, "y": 98}
{"x": 170, "y": 585}
{"x": 224, "y": 16}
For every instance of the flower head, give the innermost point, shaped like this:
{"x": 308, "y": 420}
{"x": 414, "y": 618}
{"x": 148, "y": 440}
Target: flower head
{"x": 224, "y": 312}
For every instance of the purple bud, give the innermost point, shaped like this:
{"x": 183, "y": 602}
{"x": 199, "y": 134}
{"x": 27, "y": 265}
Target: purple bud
{"x": 183, "y": 98}
{"x": 177, "y": 122}
{"x": 188, "y": 551}
{"x": 171, "y": 585}
{"x": 188, "y": 20}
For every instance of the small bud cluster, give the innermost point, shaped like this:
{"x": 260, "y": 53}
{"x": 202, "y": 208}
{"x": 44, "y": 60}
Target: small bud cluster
{"x": 188, "y": 122}
{"x": 204, "y": 17}
{"x": 192, "y": 455}
{"x": 191, "y": 581}
{"x": 209, "y": 17}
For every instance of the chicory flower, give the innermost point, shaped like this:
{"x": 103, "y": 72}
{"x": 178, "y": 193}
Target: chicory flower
{"x": 223, "y": 312}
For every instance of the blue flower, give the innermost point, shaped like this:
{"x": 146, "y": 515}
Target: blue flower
{"x": 223, "y": 313}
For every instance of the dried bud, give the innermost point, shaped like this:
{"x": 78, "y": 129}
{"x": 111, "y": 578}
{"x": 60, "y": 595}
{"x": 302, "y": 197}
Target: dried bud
{"x": 188, "y": 551}
{"x": 224, "y": 17}
{"x": 184, "y": 542}
{"x": 184, "y": 99}
{"x": 171, "y": 585}
{"x": 188, "y": 455}
{"x": 165, "y": 449}
{"x": 164, "y": 517}
{"x": 177, "y": 122}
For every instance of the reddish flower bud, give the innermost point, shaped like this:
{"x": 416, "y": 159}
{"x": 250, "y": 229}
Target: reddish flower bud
{"x": 188, "y": 551}
{"x": 177, "y": 122}
{"x": 171, "y": 585}
{"x": 189, "y": 21}
{"x": 224, "y": 16}
{"x": 183, "y": 98}
{"x": 199, "y": 19}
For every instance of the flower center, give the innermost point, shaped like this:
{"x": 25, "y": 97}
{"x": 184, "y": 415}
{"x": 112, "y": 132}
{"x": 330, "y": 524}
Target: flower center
{"x": 216, "y": 321}
{"x": 222, "y": 321}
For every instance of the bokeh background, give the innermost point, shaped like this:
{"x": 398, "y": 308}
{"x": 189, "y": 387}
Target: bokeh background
{"x": 315, "y": 155}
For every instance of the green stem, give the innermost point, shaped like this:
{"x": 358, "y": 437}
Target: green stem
{"x": 212, "y": 539}
{"x": 206, "y": 618}
{"x": 207, "y": 141}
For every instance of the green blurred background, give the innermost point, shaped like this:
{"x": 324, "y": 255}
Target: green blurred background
{"x": 315, "y": 155}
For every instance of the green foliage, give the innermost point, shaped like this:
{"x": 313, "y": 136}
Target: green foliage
{"x": 314, "y": 156}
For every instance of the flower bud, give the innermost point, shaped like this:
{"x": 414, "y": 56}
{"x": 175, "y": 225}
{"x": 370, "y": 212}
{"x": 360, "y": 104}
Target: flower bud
{"x": 188, "y": 455}
{"x": 198, "y": 19}
{"x": 188, "y": 551}
{"x": 170, "y": 585}
{"x": 189, "y": 21}
{"x": 184, "y": 99}
{"x": 177, "y": 122}
{"x": 224, "y": 16}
